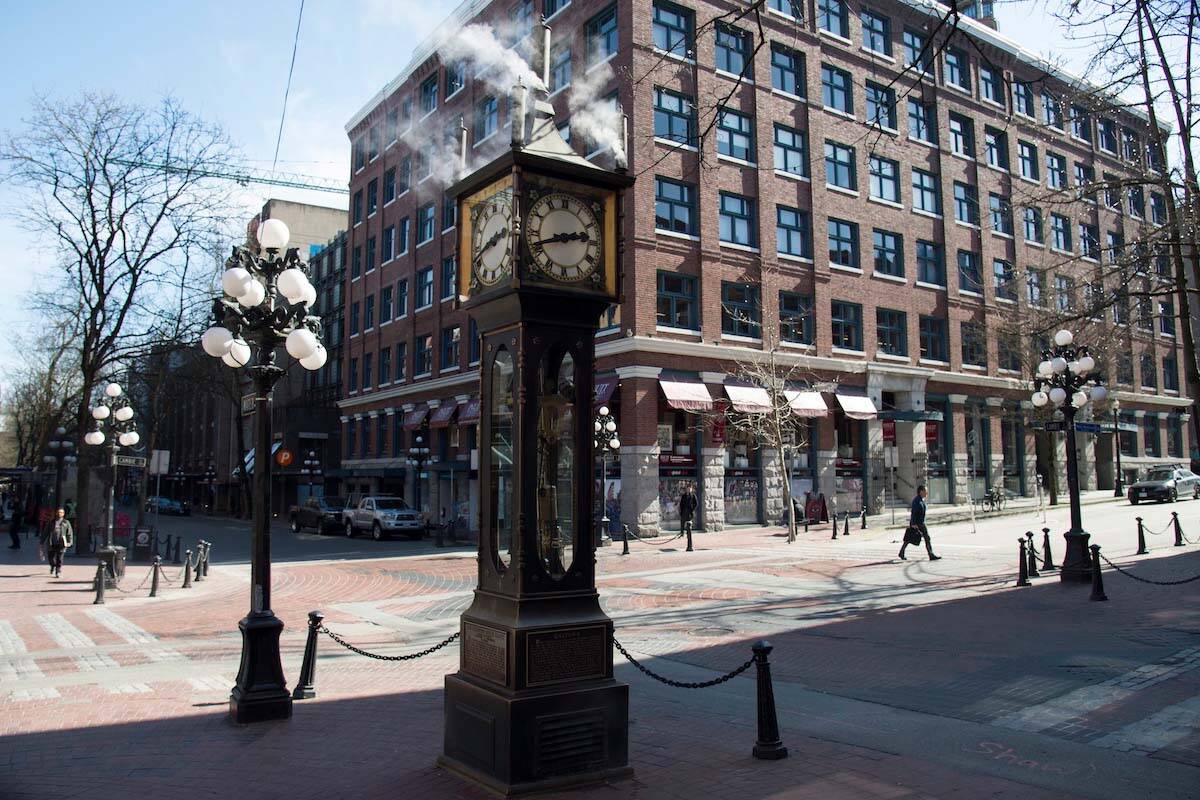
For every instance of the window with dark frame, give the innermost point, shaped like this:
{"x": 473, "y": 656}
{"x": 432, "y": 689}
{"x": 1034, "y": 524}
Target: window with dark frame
{"x": 881, "y": 105}
{"x": 675, "y": 207}
{"x": 832, "y": 16}
{"x": 889, "y": 253}
{"x": 891, "y": 331}
{"x": 796, "y": 323}
{"x": 933, "y": 338}
{"x": 735, "y": 135}
{"x": 674, "y": 116}
{"x": 885, "y": 179}
{"x": 837, "y": 90}
{"x": 843, "y": 242}
{"x": 840, "y": 167}
{"x": 677, "y": 306}
{"x": 792, "y": 232}
{"x": 787, "y": 70}
{"x": 738, "y": 220}
{"x": 791, "y": 151}
{"x": 973, "y": 344}
{"x": 673, "y": 29}
{"x": 740, "y": 314}
{"x": 733, "y": 50}
{"x": 846, "y": 323}
{"x": 931, "y": 263}
{"x": 876, "y": 32}
{"x": 970, "y": 277}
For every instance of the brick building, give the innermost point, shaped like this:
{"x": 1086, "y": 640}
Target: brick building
{"x": 943, "y": 172}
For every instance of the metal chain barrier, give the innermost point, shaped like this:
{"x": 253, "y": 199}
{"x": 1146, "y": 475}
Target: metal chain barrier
{"x": 1169, "y": 529}
{"x": 1147, "y": 580}
{"x": 378, "y": 657}
{"x": 681, "y": 684}
{"x": 134, "y": 589}
{"x": 629, "y": 532}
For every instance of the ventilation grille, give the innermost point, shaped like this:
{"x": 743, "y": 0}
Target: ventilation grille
{"x": 573, "y": 742}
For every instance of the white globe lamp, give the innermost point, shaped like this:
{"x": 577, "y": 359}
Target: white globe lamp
{"x": 1063, "y": 338}
{"x": 273, "y": 234}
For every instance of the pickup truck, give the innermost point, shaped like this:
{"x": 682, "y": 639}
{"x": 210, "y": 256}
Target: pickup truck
{"x": 383, "y": 517}
{"x": 323, "y": 514}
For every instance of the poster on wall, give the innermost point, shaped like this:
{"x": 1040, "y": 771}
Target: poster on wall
{"x": 665, "y": 434}
{"x": 741, "y": 500}
{"x": 612, "y": 504}
{"x": 669, "y": 492}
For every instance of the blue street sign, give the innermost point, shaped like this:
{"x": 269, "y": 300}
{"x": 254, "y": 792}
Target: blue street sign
{"x": 1088, "y": 427}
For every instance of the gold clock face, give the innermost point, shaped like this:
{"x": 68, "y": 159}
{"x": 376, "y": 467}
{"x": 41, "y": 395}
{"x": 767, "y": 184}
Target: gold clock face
{"x": 491, "y": 238}
{"x": 563, "y": 236}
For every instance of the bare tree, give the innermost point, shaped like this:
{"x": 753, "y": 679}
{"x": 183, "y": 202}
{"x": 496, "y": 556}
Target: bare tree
{"x": 121, "y": 227}
{"x": 43, "y": 395}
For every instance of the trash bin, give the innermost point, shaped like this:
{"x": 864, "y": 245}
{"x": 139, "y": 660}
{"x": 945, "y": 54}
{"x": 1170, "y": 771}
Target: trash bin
{"x": 143, "y": 544}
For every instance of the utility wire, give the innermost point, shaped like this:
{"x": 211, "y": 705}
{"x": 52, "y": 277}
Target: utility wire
{"x": 288, "y": 89}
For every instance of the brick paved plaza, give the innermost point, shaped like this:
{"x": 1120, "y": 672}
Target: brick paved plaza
{"x": 893, "y": 679}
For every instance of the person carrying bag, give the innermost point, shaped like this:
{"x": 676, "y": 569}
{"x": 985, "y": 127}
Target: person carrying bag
{"x": 917, "y": 531}
{"x": 57, "y": 537}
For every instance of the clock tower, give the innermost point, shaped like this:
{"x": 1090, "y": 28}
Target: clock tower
{"x": 534, "y": 704}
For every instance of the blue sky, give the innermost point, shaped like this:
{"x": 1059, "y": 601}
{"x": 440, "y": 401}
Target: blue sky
{"x": 227, "y": 62}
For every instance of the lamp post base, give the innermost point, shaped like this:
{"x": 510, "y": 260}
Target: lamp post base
{"x": 1077, "y": 562}
{"x": 114, "y": 564}
{"x": 261, "y": 692}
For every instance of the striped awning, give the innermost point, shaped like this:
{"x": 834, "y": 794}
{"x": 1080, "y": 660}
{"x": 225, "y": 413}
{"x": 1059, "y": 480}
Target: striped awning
{"x": 857, "y": 406}
{"x": 444, "y": 413}
{"x": 470, "y": 413}
{"x": 686, "y": 395}
{"x": 415, "y": 418}
{"x": 806, "y": 403}
{"x": 748, "y": 399}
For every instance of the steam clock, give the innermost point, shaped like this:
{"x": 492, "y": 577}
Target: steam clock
{"x": 534, "y": 704}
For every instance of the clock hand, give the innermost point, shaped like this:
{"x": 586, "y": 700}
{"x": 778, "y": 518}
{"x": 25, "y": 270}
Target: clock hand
{"x": 580, "y": 236}
{"x": 500, "y": 234}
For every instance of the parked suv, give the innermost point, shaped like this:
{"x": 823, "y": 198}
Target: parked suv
{"x": 383, "y": 517}
{"x": 1165, "y": 484}
{"x": 322, "y": 513}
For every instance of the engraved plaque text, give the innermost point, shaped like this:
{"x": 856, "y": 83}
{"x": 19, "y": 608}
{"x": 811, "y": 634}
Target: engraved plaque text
{"x": 485, "y": 652}
{"x": 566, "y": 655}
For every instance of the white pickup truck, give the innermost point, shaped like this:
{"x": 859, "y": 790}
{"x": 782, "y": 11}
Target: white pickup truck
{"x": 383, "y": 517}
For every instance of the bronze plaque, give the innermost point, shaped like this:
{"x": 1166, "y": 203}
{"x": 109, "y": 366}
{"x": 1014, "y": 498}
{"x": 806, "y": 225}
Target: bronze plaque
{"x": 566, "y": 655}
{"x": 485, "y": 652}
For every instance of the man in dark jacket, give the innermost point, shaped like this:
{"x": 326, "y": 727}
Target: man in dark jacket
{"x": 916, "y": 519}
{"x": 14, "y": 527}
{"x": 687, "y": 508}
{"x": 55, "y": 540}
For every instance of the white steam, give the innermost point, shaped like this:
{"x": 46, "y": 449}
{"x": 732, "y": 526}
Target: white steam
{"x": 596, "y": 118}
{"x": 498, "y": 65}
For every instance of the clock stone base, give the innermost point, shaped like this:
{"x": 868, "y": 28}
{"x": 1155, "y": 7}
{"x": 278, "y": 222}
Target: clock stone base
{"x": 536, "y": 740}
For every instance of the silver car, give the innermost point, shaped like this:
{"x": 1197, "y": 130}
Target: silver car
{"x": 385, "y": 517}
{"x": 1165, "y": 484}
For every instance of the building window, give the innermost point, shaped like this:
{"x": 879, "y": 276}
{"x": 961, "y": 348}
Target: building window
{"x": 735, "y": 135}
{"x": 843, "y": 242}
{"x": 389, "y": 186}
{"x": 1137, "y": 202}
{"x": 962, "y": 135}
{"x": 487, "y": 118}
{"x": 1158, "y": 209}
{"x": 969, "y": 277}
{"x": 355, "y": 262}
{"x": 385, "y": 365}
{"x": 958, "y": 68}
{"x": 357, "y": 207}
{"x": 891, "y": 330}
{"x": 1052, "y": 113}
{"x": 1089, "y": 241}
{"x": 1003, "y": 281}
{"x": 885, "y": 179}
{"x": 354, "y": 375}
{"x": 1023, "y": 98}
{"x": 449, "y": 212}
{"x": 1085, "y": 176}
{"x": 1035, "y": 285}
{"x": 792, "y": 228}
{"x": 1108, "y": 136}
{"x": 846, "y": 322}
{"x": 995, "y": 145}
{"x": 839, "y": 166}
{"x": 1001, "y": 212}
{"x": 991, "y": 85}
{"x": 428, "y": 94}
{"x": 739, "y": 309}
{"x": 373, "y": 138}
{"x": 388, "y": 250}
{"x": 456, "y": 78}
{"x": 933, "y": 338}
{"x": 1081, "y": 124}
{"x": 837, "y": 92}
{"x": 833, "y": 17}
{"x": 426, "y": 226}
{"x": 1008, "y": 352}
{"x": 738, "y": 220}
{"x": 1033, "y": 225}
{"x": 1056, "y": 171}
{"x": 405, "y": 177}
{"x": 1166, "y": 317}
{"x": 359, "y": 154}
{"x": 673, "y": 29}
{"x": 1150, "y": 437}
{"x": 1027, "y": 159}
{"x": 795, "y": 318}
{"x": 354, "y": 318}
{"x": 789, "y": 8}
{"x": 451, "y": 338}
{"x": 401, "y": 361}
{"x": 423, "y": 355}
{"x": 1174, "y": 436}
{"x": 370, "y": 265}
{"x": 560, "y": 67}
{"x": 966, "y": 203}
{"x": 916, "y": 54}
{"x": 369, "y": 313}
{"x": 1170, "y": 374}
{"x": 926, "y": 194}
{"x": 601, "y": 36}
{"x": 931, "y": 264}
{"x": 424, "y": 288}
{"x": 787, "y": 70}
{"x": 552, "y": 7}
{"x": 791, "y": 151}
{"x": 675, "y": 207}
{"x": 1060, "y": 233}
{"x": 876, "y": 32}
{"x": 881, "y": 106}
{"x": 677, "y": 307}
{"x": 449, "y": 278}
{"x": 734, "y": 50}
{"x": 674, "y": 116}
{"x": 889, "y": 253}
{"x": 922, "y": 122}
{"x": 974, "y": 344}
{"x": 474, "y": 343}
{"x": 385, "y": 304}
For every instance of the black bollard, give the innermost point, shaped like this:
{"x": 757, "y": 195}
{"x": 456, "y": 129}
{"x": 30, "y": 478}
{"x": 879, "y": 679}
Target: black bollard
{"x": 689, "y": 537}
{"x": 305, "y": 690}
{"x": 197, "y": 569}
{"x": 1178, "y": 529}
{"x": 1047, "y": 559}
{"x": 625, "y": 541}
{"x": 154, "y": 578}
{"x": 439, "y": 536}
{"x": 846, "y": 524}
{"x": 1141, "y": 551}
{"x": 100, "y": 581}
{"x": 834, "y": 518}
{"x": 806, "y": 524}
{"x": 1032, "y": 556}
{"x": 178, "y": 543}
{"x": 207, "y": 557}
{"x": 1097, "y": 579}
{"x": 1023, "y": 569}
{"x": 769, "y": 746}
{"x": 864, "y": 518}
{"x": 187, "y": 570}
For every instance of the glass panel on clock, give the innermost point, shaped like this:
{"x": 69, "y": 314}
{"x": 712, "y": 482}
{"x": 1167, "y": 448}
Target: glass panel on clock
{"x": 501, "y": 472}
{"x": 556, "y": 435}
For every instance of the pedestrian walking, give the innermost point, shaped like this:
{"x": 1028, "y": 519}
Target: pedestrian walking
{"x": 14, "y": 527}
{"x": 57, "y": 538}
{"x": 916, "y": 526}
{"x": 687, "y": 508}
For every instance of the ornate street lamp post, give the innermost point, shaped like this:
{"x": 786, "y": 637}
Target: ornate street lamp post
{"x": 60, "y": 453}
{"x": 112, "y": 414}
{"x": 1065, "y": 382}
{"x": 418, "y": 454}
{"x": 266, "y": 304}
{"x": 605, "y": 440}
{"x": 312, "y": 468}
{"x": 210, "y": 480}
{"x": 1119, "y": 478}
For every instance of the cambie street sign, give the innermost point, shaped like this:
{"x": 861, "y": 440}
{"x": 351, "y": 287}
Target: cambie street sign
{"x": 1088, "y": 427}
{"x": 1055, "y": 425}
{"x": 129, "y": 461}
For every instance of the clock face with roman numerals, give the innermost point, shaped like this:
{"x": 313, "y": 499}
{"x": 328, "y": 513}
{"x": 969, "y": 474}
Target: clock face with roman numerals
{"x": 563, "y": 235}
{"x": 491, "y": 239}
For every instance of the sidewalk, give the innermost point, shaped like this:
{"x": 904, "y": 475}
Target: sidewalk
{"x": 943, "y": 514}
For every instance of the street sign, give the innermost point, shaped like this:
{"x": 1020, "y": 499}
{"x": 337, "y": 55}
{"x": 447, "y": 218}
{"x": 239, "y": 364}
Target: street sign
{"x": 1055, "y": 425}
{"x": 160, "y": 462}
{"x": 129, "y": 461}
{"x": 1088, "y": 427}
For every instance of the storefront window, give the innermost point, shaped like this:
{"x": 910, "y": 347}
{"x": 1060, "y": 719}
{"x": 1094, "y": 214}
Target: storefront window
{"x": 978, "y": 450}
{"x": 1128, "y": 437}
{"x": 741, "y": 479}
{"x": 1012, "y": 437}
{"x": 849, "y": 468}
{"x": 937, "y": 447}
{"x": 801, "y": 464}
{"x": 677, "y": 465}
{"x": 556, "y": 464}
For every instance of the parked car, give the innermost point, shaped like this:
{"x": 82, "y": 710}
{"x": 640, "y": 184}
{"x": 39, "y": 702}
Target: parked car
{"x": 1165, "y": 484}
{"x": 323, "y": 514}
{"x": 164, "y": 505}
{"x": 383, "y": 517}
